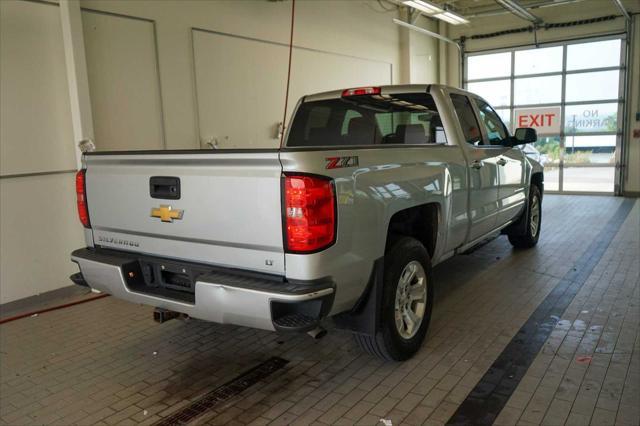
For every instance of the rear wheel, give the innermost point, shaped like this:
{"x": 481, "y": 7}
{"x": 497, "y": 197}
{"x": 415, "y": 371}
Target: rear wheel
{"x": 406, "y": 303}
{"x": 534, "y": 222}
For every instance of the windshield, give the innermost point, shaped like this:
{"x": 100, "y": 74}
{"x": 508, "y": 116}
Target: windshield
{"x": 367, "y": 120}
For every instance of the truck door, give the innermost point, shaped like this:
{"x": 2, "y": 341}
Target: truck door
{"x": 511, "y": 172}
{"x": 483, "y": 173}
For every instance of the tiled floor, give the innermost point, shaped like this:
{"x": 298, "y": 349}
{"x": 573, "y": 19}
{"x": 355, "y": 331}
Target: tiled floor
{"x": 107, "y": 362}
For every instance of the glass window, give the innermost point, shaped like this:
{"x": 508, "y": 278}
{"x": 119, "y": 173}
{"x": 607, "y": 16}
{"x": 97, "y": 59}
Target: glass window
{"x": 586, "y": 179}
{"x": 496, "y": 131}
{"x": 597, "y": 54}
{"x": 367, "y": 120}
{"x": 467, "y": 118}
{"x": 593, "y": 86}
{"x": 537, "y": 90}
{"x": 538, "y": 61}
{"x": 497, "y": 92}
{"x": 488, "y": 66}
{"x": 591, "y": 118}
{"x": 548, "y": 155}
{"x": 505, "y": 116}
{"x": 589, "y": 163}
{"x": 598, "y": 149}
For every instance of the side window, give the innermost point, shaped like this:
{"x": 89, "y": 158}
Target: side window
{"x": 496, "y": 131}
{"x": 467, "y": 119}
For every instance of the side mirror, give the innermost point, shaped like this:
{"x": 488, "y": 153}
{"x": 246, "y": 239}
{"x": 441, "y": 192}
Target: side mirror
{"x": 524, "y": 135}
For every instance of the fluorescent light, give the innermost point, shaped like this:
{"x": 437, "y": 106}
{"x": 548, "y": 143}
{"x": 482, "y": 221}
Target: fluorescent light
{"x": 423, "y": 6}
{"x": 452, "y": 18}
{"x": 435, "y": 11}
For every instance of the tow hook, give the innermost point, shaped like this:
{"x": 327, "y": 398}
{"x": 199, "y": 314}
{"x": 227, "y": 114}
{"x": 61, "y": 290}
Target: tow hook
{"x": 317, "y": 333}
{"x": 163, "y": 315}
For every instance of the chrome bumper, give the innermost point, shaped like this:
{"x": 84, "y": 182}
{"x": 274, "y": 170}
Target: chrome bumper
{"x": 214, "y": 301}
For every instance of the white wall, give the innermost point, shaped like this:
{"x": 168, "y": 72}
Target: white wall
{"x": 38, "y": 220}
{"x": 632, "y": 175}
{"x": 144, "y": 94}
{"x": 124, "y": 84}
{"x": 423, "y": 53}
{"x": 345, "y": 28}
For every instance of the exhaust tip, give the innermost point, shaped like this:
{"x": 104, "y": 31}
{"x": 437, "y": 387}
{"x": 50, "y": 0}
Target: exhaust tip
{"x": 317, "y": 333}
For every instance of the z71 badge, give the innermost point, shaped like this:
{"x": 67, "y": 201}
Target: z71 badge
{"x": 341, "y": 162}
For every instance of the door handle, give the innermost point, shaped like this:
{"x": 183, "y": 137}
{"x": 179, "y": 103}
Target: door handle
{"x": 164, "y": 187}
{"x": 501, "y": 162}
{"x": 477, "y": 164}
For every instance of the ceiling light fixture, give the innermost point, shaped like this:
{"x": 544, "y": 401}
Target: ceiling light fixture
{"x": 434, "y": 11}
{"x": 452, "y": 18}
{"x": 423, "y": 6}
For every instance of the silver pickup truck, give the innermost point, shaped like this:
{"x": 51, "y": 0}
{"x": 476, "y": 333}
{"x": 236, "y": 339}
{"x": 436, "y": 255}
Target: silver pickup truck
{"x": 372, "y": 188}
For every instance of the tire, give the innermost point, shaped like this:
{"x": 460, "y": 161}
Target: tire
{"x": 534, "y": 222}
{"x": 395, "y": 339}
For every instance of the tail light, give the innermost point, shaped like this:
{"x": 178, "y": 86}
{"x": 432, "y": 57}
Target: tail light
{"x": 359, "y": 91}
{"x": 81, "y": 195}
{"x": 309, "y": 213}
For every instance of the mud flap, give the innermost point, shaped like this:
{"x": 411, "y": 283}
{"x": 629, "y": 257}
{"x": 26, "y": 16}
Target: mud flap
{"x": 519, "y": 227}
{"x": 364, "y": 318}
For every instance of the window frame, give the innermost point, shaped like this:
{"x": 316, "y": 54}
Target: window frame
{"x": 471, "y": 101}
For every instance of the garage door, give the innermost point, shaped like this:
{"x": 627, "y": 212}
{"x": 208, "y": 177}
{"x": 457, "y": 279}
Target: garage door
{"x": 572, "y": 93}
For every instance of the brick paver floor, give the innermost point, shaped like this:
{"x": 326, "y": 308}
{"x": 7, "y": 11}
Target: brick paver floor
{"x": 107, "y": 362}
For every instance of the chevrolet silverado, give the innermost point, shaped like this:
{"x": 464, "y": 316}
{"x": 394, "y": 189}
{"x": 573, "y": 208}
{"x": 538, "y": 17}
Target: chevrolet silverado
{"x": 371, "y": 189}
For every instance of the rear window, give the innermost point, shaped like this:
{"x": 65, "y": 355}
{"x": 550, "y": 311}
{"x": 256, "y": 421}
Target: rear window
{"x": 410, "y": 119}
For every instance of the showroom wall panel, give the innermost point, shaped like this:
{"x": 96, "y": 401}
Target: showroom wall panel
{"x": 123, "y": 82}
{"x": 36, "y": 126}
{"x": 315, "y": 71}
{"x": 353, "y": 28}
{"x": 40, "y": 228}
{"x": 241, "y": 85}
{"x": 38, "y": 221}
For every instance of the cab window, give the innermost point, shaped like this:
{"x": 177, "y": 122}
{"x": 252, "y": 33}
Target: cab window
{"x": 497, "y": 133}
{"x": 404, "y": 118}
{"x": 467, "y": 119}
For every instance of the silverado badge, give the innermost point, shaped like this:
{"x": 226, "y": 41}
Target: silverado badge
{"x": 166, "y": 213}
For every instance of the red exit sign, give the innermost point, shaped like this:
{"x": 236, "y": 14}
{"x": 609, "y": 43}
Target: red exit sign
{"x": 545, "y": 120}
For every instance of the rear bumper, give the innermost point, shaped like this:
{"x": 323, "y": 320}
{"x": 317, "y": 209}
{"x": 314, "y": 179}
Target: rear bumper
{"x": 222, "y": 296}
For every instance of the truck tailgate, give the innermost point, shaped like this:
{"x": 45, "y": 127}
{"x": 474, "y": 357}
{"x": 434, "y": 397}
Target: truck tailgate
{"x": 229, "y": 202}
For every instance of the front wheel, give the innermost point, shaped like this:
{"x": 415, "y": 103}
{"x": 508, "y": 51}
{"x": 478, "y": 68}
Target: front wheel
{"x": 534, "y": 221}
{"x": 407, "y": 300}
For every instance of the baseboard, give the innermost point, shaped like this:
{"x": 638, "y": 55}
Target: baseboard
{"x": 42, "y": 300}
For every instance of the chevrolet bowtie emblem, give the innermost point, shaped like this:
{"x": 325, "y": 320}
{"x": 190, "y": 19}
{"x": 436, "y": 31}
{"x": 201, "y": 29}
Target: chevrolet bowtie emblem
{"x": 166, "y": 213}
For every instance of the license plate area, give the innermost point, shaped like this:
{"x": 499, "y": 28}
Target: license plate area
{"x": 163, "y": 278}
{"x": 169, "y": 275}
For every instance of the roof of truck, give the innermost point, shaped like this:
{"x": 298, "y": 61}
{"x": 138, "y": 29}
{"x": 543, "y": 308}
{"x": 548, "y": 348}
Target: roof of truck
{"x": 385, "y": 89}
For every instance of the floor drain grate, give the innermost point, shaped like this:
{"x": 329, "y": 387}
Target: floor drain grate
{"x": 223, "y": 393}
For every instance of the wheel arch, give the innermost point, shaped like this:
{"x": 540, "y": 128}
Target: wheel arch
{"x": 420, "y": 222}
{"x": 537, "y": 179}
